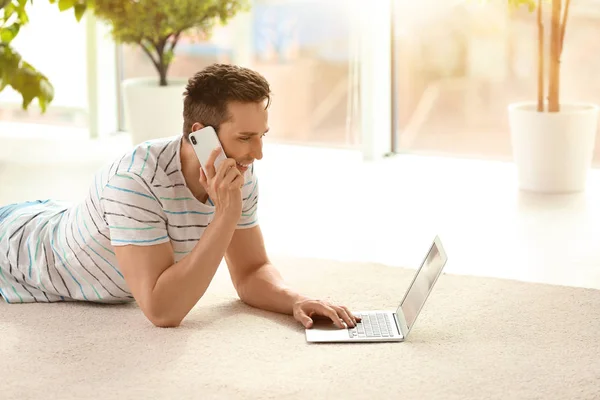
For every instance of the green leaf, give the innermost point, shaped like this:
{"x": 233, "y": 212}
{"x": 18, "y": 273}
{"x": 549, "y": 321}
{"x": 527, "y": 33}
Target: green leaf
{"x": 9, "y": 10}
{"x": 23, "y": 3}
{"x": 14, "y": 71}
{"x": 79, "y": 11}
{"x": 66, "y": 4}
{"x": 22, "y": 13}
{"x": 147, "y": 23}
{"x": 8, "y": 34}
{"x": 25, "y": 79}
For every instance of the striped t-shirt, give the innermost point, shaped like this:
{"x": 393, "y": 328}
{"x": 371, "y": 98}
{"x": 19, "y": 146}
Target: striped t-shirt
{"x": 53, "y": 251}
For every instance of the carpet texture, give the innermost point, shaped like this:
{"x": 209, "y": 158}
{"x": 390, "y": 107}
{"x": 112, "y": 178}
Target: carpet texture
{"x": 477, "y": 338}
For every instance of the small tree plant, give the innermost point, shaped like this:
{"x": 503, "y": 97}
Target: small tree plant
{"x": 558, "y": 25}
{"x": 16, "y": 72}
{"x": 157, "y": 25}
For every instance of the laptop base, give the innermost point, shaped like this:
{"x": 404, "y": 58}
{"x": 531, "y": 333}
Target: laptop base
{"x": 376, "y": 326}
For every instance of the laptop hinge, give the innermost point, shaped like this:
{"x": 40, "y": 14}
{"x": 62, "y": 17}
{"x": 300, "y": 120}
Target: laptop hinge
{"x": 397, "y": 325}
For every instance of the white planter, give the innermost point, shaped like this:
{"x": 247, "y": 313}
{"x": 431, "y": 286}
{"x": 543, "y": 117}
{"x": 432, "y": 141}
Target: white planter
{"x": 553, "y": 151}
{"x": 153, "y": 111}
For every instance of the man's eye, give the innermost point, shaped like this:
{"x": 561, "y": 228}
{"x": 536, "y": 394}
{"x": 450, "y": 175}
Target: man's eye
{"x": 245, "y": 139}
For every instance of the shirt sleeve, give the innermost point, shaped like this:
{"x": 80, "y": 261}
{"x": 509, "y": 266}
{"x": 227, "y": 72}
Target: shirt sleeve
{"x": 249, "y": 217}
{"x": 133, "y": 213}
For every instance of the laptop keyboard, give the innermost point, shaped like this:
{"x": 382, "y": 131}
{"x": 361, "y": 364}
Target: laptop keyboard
{"x": 372, "y": 325}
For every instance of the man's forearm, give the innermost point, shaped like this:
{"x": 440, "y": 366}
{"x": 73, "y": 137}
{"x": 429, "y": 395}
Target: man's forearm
{"x": 265, "y": 289}
{"x": 180, "y": 286}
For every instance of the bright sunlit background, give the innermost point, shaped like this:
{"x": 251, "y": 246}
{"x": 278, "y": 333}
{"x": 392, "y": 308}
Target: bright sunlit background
{"x": 353, "y": 82}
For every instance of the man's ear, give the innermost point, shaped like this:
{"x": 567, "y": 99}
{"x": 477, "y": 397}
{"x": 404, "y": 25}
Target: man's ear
{"x": 197, "y": 126}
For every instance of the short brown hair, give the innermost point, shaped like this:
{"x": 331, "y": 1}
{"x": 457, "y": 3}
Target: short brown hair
{"x": 209, "y": 91}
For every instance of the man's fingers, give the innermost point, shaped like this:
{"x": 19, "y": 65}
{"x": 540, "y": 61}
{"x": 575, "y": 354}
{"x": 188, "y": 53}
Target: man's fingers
{"x": 210, "y": 163}
{"x": 231, "y": 175}
{"x": 202, "y": 179}
{"x": 304, "y": 319}
{"x": 341, "y": 316}
{"x": 354, "y": 317}
{"x": 224, "y": 168}
{"x": 346, "y": 316}
{"x": 332, "y": 314}
{"x": 238, "y": 181}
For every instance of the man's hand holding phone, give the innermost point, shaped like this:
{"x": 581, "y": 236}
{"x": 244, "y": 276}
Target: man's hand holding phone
{"x": 223, "y": 184}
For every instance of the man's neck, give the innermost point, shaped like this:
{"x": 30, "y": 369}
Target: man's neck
{"x": 190, "y": 168}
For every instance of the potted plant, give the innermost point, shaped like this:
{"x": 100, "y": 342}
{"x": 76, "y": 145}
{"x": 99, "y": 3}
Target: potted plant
{"x": 553, "y": 141}
{"x": 154, "y": 105}
{"x": 15, "y": 72}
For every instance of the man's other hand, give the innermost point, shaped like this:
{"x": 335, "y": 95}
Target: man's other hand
{"x": 223, "y": 185}
{"x": 305, "y": 310}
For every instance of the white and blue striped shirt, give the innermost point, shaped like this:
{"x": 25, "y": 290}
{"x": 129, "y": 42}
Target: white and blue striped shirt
{"x": 53, "y": 251}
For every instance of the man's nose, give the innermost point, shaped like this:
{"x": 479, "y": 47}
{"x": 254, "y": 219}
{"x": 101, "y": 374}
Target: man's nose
{"x": 257, "y": 151}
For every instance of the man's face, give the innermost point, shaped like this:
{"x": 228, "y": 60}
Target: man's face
{"x": 241, "y": 136}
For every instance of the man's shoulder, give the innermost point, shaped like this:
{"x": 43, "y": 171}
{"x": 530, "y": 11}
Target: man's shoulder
{"x": 149, "y": 160}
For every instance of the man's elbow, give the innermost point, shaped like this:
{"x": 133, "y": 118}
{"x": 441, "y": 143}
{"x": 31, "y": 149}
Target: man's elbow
{"x": 250, "y": 297}
{"x": 164, "y": 322}
{"x": 243, "y": 290}
{"x": 162, "y": 318}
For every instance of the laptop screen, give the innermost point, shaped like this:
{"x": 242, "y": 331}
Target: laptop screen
{"x": 422, "y": 283}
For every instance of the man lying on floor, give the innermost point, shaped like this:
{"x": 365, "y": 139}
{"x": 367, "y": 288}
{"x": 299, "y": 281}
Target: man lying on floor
{"x": 154, "y": 228}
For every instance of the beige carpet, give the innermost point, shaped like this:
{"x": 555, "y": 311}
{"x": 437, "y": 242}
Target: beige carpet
{"x": 476, "y": 339}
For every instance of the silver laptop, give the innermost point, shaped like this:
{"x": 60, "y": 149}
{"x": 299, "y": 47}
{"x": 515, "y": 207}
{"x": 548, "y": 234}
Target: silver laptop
{"x": 389, "y": 325}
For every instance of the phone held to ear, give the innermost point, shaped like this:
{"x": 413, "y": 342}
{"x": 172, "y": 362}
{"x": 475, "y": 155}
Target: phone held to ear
{"x": 204, "y": 141}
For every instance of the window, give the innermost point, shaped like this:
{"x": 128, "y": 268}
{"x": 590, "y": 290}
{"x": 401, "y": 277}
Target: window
{"x": 303, "y": 47}
{"x": 55, "y": 44}
{"x": 460, "y": 64}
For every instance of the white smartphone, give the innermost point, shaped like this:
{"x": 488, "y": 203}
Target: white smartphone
{"x": 204, "y": 141}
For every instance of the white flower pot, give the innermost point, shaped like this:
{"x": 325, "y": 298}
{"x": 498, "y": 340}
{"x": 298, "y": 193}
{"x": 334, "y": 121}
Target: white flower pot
{"x": 553, "y": 151}
{"x": 153, "y": 111}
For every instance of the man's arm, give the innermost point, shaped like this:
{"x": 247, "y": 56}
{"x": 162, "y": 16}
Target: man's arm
{"x": 166, "y": 291}
{"x": 260, "y": 285}
{"x": 257, "y": 282}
